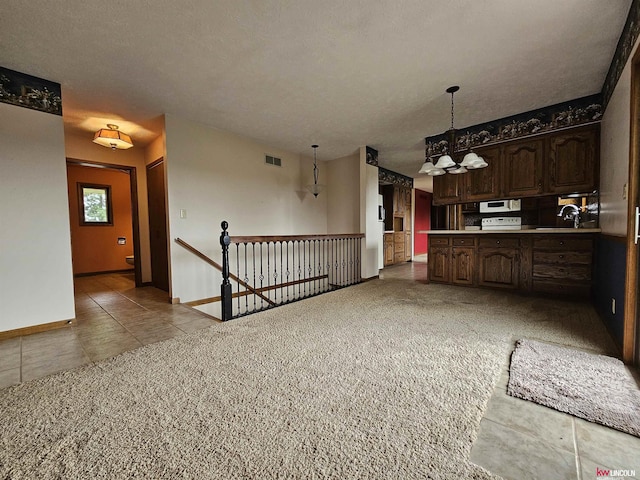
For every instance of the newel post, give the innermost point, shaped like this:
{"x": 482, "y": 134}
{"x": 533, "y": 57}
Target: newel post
{"x": 225, "y": 288}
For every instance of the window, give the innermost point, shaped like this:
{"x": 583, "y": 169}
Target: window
{"x": 94, "y": 202}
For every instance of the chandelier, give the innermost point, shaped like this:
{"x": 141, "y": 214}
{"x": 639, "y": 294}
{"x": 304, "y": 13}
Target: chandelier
{"x": 113, "y": 138}
{"x": 446, "y": 163}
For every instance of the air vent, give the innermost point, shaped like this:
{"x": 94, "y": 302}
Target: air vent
{"x": 273, "y": 160}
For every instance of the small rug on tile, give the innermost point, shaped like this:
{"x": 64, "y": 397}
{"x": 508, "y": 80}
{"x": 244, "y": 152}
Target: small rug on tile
{"x": 597, "y": 388}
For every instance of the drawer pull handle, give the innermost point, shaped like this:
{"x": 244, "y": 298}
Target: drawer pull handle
{"x": 561, "y": 242}
{"x": 561, "y": 256}
{"x": 497, "y": 242}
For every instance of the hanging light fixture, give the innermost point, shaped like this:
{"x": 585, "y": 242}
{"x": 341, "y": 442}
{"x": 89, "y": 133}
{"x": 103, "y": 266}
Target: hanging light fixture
{"x": 316, "y": 188}
{"x": 113, "y": 138}
{"x": 446, "y": 163}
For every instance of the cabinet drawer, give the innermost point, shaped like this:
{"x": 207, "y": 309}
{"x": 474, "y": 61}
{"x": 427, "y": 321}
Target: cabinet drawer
{"x": 562, "y": 257}
{"x": 498, "y": 242}
{"x": 464, "y": 242}
{"x": 399, "y": 257}
{"x": 438, "y": 241}
{"x": 565, "y": 272}
{"x": 398, "y": 247}
{"x": 560, "y": 288}
{"x": 563, "y": 243}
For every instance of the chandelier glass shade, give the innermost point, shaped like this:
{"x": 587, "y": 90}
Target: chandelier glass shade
{"x": 446, "y": 162}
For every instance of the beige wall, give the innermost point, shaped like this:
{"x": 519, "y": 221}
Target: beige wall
{"x": 36, "y": 281}
{"x": 369, "y": 224}
{"x": 82, "y": 148}
{"x": 614, "y": 156}
{"x": 343, "y": 194}
{"x": 215, "y": 176}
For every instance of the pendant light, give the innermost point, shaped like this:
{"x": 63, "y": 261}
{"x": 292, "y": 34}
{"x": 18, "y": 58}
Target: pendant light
{"x": 446, "y": 162}
{"x": 316, "y": 188}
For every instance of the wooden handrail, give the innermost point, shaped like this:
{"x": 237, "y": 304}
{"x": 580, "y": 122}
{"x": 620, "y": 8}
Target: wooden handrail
{"x": 216, "y": 265}
{"x": 292, "y": 238}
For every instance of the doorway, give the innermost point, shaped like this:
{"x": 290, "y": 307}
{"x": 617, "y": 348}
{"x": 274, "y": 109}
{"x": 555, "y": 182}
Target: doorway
{"x": 156, "y": 193}
{"x": 117, "y": 235}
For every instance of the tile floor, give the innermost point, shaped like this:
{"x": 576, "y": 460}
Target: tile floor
{"x": 518, "y": 440}
{"x": 112, "y": 317}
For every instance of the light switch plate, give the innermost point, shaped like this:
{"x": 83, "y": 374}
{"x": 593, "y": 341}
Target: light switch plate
{"x": 183, "y": 213}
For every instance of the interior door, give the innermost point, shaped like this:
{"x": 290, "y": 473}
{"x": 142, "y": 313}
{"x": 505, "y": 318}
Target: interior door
{"x": 158, "y": 225}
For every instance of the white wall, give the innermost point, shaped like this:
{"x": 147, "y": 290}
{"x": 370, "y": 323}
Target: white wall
{"x": 343, "y": 194}
{"x": 215, "y": 176}
{"x": 82, "y": 148}
{"x": 36, "y": 279}
{"x": 614, "y": 155}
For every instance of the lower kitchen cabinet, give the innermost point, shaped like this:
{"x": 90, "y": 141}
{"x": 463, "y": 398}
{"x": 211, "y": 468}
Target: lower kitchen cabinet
{"x": 439, "y": 264}
{"x": 388, "y": 249}
{"x": 544, "y": 263}
{"x": 498, "y": 267}
{"x": 463, "y": 260}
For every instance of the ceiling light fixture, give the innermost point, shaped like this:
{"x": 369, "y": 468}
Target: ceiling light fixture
{"x": 112, "y": 138}
{"x": 446, "y": 163}
{"x": 315, "y": 188}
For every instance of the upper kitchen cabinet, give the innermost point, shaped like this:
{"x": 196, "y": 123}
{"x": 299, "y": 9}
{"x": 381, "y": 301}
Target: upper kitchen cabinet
{"x": 573, "y": 160}
{"x": 523, "y": 169}
{"x": 484, "y": 183}
{"x": 447, "y": 189}
{"x": 556, "y": 163}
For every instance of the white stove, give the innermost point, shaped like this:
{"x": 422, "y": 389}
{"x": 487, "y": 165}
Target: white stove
{"x": 502, "y": 223}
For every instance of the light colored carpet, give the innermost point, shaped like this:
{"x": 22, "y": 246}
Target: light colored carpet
{"x": 597, "y": 388}
{"x": 387, "y": 379}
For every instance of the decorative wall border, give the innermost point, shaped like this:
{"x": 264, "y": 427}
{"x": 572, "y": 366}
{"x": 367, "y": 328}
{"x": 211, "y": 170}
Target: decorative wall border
{"x": 388, "y": 176}
{"x": 30, "y": 92}
{"x": 372, "y": 156}
{"x": 554, "y": 117}
{"x": 625, "y": 45}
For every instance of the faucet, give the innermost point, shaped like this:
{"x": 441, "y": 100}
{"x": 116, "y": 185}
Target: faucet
{"x": 573, "y": 214}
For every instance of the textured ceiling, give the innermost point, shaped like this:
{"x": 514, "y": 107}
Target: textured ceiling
{"x": 290, "y": 74}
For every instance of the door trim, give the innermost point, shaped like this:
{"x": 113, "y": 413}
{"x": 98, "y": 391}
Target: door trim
{"x": 631, "y": 277}
{"x": 135, "y": 219}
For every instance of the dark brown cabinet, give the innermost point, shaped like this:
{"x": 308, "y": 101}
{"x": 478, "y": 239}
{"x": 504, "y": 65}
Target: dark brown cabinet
{"x": 557, "y": 264}
{"x": 573, "y": 161}
{"x": 484, "y": 183}
{"x": 523, "y": 169}
{"x": 549, "y": 164}
{"x": 439, "y": 264}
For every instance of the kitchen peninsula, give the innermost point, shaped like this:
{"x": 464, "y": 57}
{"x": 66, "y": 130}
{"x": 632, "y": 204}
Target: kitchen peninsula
{"x": 544, "y": 260}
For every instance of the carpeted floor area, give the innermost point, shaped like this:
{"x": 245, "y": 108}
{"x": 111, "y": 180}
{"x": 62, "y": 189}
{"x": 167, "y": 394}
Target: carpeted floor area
{"x": 387, "y": 379}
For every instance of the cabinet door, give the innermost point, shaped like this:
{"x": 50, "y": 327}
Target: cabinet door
{"x": 398, "y": 200}
{"x": 498, "y": 267}
{"x": 388, "y": 249}
{"x": 439, "y": 264}
{"x": 523, "y": 169}
{"x": 446, "y": 189}
{"x": 407, "y": 209}
{"x": 462, "y": 266}
{"x": 407, "y": 246}
{"x": 573, "y": 161}
{"x": 484, "y": 184}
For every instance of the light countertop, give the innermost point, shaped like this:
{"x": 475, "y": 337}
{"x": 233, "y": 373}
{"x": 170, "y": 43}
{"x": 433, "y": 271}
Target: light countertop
{"x": 529, "y": 231}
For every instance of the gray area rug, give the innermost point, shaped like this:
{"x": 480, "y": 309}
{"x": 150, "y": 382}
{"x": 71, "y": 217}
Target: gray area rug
{"x": 387, "y": 379}
{"x": 597, "y": 388}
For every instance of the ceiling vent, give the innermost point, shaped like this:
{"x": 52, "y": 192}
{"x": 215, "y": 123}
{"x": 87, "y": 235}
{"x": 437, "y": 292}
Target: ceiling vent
{"x": 273, "y": 160}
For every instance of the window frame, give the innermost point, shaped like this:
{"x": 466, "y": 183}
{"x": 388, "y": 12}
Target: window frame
{"x": 82, "y": 218}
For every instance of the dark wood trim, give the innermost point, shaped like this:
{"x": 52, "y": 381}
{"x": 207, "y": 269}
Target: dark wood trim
{"x": 45, "y": 327}
{"x": 155, "y": 163}
{"x": 91, "y": 274}
{"x": 217, "y": 266}
{"x": 631, "y": 277}
{"x": 293, "y": 238}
